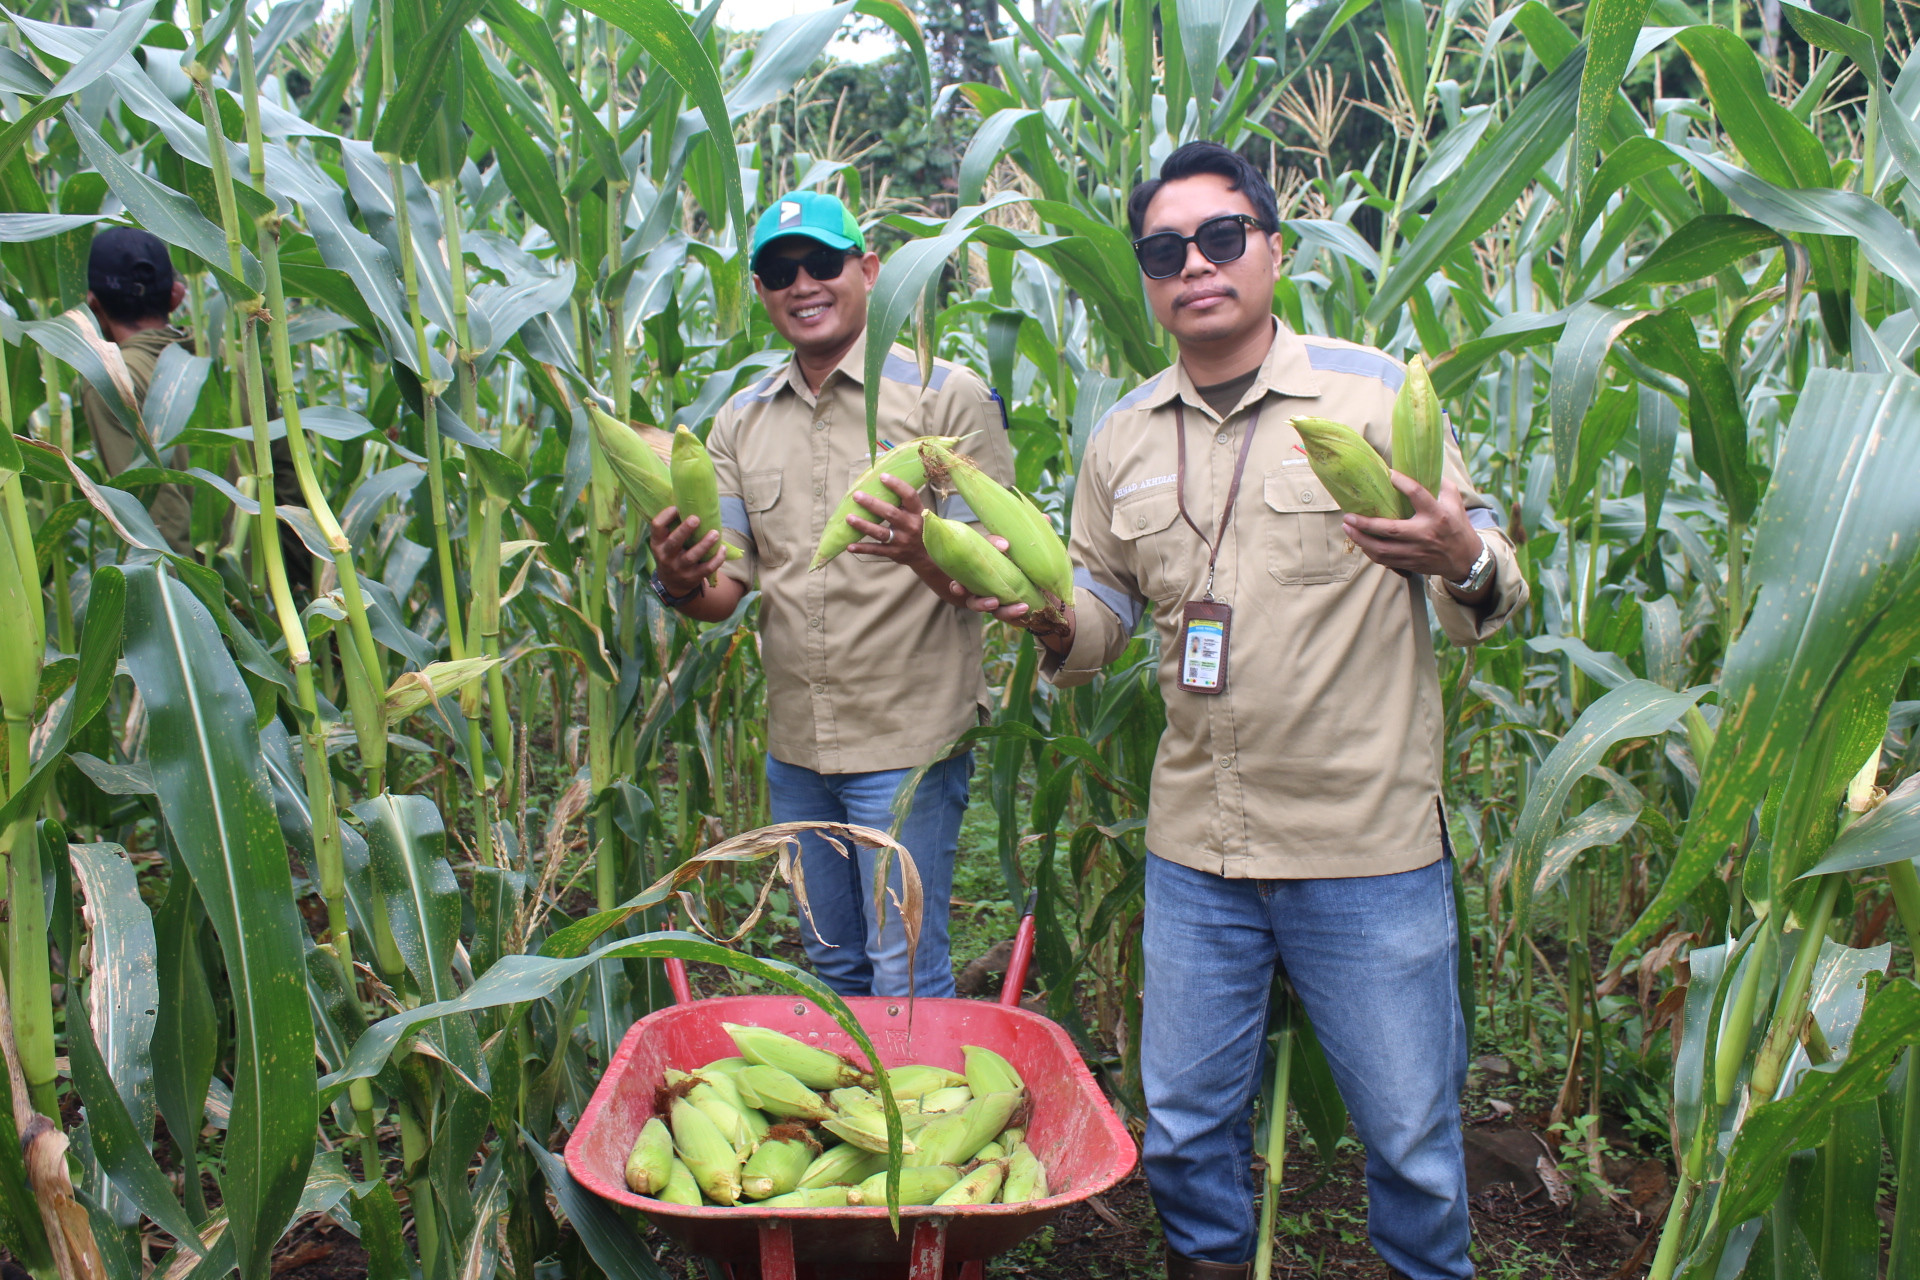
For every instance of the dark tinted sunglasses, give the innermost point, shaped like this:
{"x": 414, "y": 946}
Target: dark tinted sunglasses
{"x": 1221, "y": 239}
{"x": 779, "y": 273}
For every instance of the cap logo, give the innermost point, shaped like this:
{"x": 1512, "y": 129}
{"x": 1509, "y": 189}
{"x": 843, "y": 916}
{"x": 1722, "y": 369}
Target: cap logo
{"x": 789, "y": 212}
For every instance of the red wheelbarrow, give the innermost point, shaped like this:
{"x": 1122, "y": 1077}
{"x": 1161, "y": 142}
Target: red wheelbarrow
{"x": 1075, "y": 1134}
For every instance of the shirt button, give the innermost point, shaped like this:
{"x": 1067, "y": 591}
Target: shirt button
{"x": 818, "y": 490}
{"x": 1306, "y": 495}
{"x": 814, "y": 623}
{"x": 1140, "y": 523}
{"x": 1226, "y": 762}
{"x": 819, "y": 688}
{"x": 1221, "y": 438}
{"x": 819, "y": 426}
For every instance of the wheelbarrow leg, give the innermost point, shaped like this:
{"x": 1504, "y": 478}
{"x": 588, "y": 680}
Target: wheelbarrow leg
{"x": 776, "y": 1252}
{"x": 929, "y": 1256}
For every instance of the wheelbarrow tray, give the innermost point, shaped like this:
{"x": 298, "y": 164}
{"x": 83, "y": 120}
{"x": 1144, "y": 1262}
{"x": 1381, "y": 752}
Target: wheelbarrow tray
{"x": 1073, "y": 1132}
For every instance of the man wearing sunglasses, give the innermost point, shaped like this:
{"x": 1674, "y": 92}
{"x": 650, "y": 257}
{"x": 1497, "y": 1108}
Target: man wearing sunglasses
{"x": 868, "y": 677}
{"x": 1295, "y": 824}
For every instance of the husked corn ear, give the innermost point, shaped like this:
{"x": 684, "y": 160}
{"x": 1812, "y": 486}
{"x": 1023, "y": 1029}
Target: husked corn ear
{"x": 651, "y": 1160}
{"x": 815, "y": 1068}
{"x": 809, "y": 1198}
{"x": 1419, "y": 442}
{"x": 1026, "y": 1177}
{"x": 908, "y": 462}
{"x": 1353, "y": 470}
{"x": 978, "y": 1187}
{"x": 777, "y": 1093}
{"x": 951, "y": 1098}
{"x": 844, "y": 1163}
{"x": 1031, "y": 542}
{"x": 681, "y": 1187}
{"x": 988, "y": 1072}
{"x": 986, "y": 1117}
{"x": 923, "y": 1185}
{"x": 707, "y": 1152}
{"x": 868, "y": 1132}
{"x": 776, "y": 1164}
{"x": 639, "y": 469}
{"x": 919, "y": 1079}
{"x": 964, "y": 554}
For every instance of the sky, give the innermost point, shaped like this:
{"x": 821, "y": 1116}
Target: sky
{"x": 754, "y": 15}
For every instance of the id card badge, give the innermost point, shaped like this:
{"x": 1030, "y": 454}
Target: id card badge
{"x": 1205, "y": 626}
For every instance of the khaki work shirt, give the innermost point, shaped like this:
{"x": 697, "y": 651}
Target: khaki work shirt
{"x": 172, "y": 504}
{"x": 866, "y": 668}
{"x": 1321, "y": 757}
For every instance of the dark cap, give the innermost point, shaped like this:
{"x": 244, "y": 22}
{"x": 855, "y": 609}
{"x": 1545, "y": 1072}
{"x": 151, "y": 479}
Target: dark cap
{"x": 130, "y": 273}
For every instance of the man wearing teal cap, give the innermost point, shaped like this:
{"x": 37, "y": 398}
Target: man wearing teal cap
{"x": 869, "y": 677}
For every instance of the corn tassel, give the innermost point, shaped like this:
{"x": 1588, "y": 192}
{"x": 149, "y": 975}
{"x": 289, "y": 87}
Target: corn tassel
{"x": 1419, "y": 443}
{"x": 1353, "y": 470}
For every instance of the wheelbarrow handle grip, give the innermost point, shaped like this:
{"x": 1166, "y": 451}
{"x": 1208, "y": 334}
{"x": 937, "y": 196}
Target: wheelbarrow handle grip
{"x": 1022, "y": 958}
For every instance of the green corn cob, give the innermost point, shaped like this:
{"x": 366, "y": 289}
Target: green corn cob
{"x": 682, "y": 1187}
{"x": 776, "y": 1164}
{"x": 853, "y": 1100}
{"x": 1352, "y": 469}
{"x": 964, "y": 554}
{"x": 868, "y": 1132}
{"x": 942, "y": 1140}
{"x": 841, "y": 1164}
{"x": 777, "y": 1093}
{"x": 1419, "y": 440}
{"x": 978, "y": 1187}
{"x": 986, "y": 1117}
{"x": 651, "y": 1160}
{"x": 815, "y": 1068}
{"x": 723, "y": 1066}
{"x": 951, "y": 1098}
{"x": 634, "y": 463}
{"x": 1026, "y": 1177}
{"x": 908, "y": 462}
{"x": 1031, "y": 542}
{"x": 707, "y": 1152}
{"x": 809, "y": 1198}
{"x": 1012, "y": 1137}
{"x": 696, "y": 486}
{"x": 988, "y": 1072}
{"x": 919, "y": 1079}
{"x": 992, "y": 1151}
{"x": 921, "y": 1185}
{"x": 729, "y": 1115}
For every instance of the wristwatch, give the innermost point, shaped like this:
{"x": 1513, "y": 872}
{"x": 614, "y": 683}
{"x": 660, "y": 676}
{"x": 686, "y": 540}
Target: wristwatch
{"x": 667, "y": 597}
{"x": 1478, "y": 575}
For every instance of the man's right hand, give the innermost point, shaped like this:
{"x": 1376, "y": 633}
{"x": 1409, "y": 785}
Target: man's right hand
{"x": 684, "y": 555}
{"x": 1059, "y": 639}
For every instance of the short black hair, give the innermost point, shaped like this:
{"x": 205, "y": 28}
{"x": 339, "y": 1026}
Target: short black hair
{"x": 130, "y": 274}
{"x": 1208, "y": 157}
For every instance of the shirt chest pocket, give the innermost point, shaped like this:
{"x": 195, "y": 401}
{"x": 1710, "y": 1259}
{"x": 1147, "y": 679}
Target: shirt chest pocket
{"x": 1307, "y": 543}
{"x": 768, "y": 518}
{"x": 1157, "y": 542}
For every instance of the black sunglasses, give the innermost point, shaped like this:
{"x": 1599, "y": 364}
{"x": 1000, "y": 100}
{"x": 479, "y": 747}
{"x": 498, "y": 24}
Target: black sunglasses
{"x": 1221, "y": 239}
{"x": 778, "y": 273}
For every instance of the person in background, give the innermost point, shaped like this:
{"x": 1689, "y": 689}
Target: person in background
{"x": 1295, "y": 823}
{"x": 868, "y": 677}
{"x": 133, "y": 291}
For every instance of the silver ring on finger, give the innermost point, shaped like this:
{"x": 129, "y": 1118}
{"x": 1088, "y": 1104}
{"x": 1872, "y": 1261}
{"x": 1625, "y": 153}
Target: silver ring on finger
{"x": 890, "y": 532}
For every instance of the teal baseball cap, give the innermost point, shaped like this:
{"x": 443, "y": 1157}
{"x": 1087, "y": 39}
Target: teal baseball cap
{"x": 812, "y": 214}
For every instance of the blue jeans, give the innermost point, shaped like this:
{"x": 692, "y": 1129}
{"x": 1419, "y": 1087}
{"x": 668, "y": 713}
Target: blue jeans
{"x": 857, "y": 956}
{"x": 1373, "y": 960}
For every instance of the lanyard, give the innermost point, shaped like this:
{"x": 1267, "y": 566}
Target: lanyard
{"x": 1233, "y": 488}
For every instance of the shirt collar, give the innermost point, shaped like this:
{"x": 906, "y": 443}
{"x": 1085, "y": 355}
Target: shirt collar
{"x": 852, "y": 366}
{"x": 1286, "y": 371}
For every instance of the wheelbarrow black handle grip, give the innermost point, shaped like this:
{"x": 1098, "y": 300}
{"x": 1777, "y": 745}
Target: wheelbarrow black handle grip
{"x": 1022, "y": 958}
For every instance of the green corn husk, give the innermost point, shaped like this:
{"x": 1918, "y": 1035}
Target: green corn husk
{"x": 1031, "y": 542}
{"x": 777, "y": 1163}
{"x": 919, "y": 1079}
{"x": 651, "y": 1161}
{"x": 682, "y": 1187}
{"x": 729, "y": 1117}
{"x": 814, "y": 1067}
{"x": 1353, "y": 470}
{"x": 853, "y": 1100}
{"x": 1026, "y": 1177}
{"x": 696, "y": 486}
{"x": 942, "y": 1140}
{"x": 908, "y": 462}
{"x": 868, "y": 1132}
{"x": 809, "y": 1198}
{"x": 992, "y": 1151}
{"x": 1419, "y": 430}
{"x": 843, "y": 1164}
{"x": 1012, "y": 1137}
{"x": 648, "y": 483}
{"x": 777, "y": 1093}
{"x": 988, "y": 1072}
{"x": 987, "y": 1116}
{"x": 952, "y": 1098}
{"x": 920, "y": 1185}
{"x": 722, "y": 1066}
{"x": 706, "y": 1151}
{"x": 978, "y": 1187}
{"x": 964, "y": 554}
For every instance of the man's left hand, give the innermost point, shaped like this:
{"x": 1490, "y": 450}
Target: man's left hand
{"x": 1436, "y": 539}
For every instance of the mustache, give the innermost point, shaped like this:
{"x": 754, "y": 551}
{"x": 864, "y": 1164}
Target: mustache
{"x": 1194, "y": 295}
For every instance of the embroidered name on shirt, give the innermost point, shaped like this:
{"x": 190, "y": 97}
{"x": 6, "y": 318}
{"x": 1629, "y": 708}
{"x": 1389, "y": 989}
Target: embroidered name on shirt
{"x": 1138, "y": 485}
